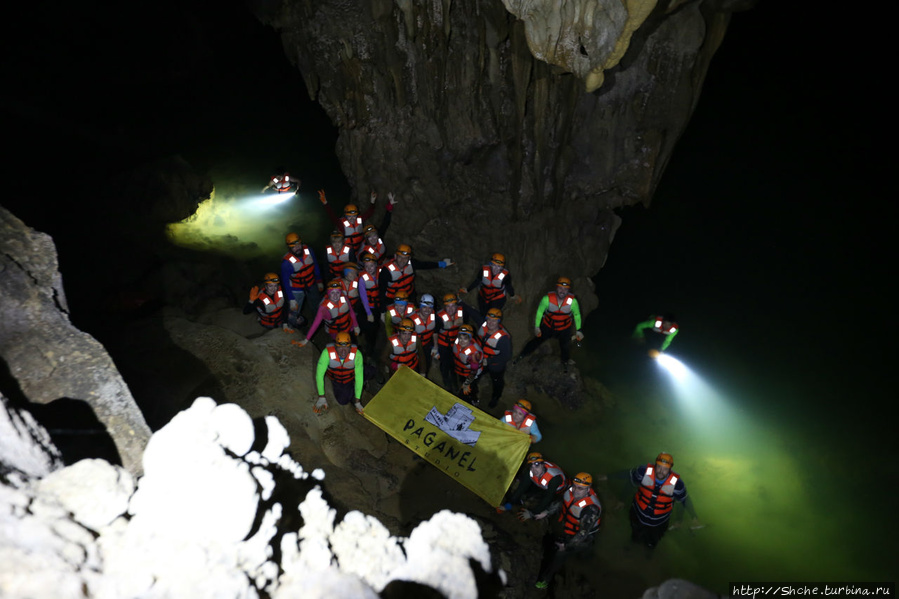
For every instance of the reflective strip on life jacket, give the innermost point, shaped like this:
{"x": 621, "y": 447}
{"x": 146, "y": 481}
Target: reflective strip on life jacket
{"x": 447, "y": 335}
{"x": 352, "y": 231}
{"x": 492, "y": 287}
{"x": 558, "y": 317}
{"x": 304, "y": 269}
{"x": 400, "y": 280}
{"x": 274, "y": 305}
{"x": 341, "y": 372}
{"x": 407, "y": 355}
{"x": 661, "y": 501}
{"x": 340, "y": 315}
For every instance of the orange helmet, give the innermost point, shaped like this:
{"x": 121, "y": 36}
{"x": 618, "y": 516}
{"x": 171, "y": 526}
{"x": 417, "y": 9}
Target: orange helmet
{"x": 292, "y": 238}
{"x": 665, "y": 458}
{"x": 404, "y": 249}
{"x": 369, "y": 257}
{"x": 583, "y": 479}
{"x": 337, "y": 235}
{"x": 524, "y": 404}
{"x": 343, "y": 338}
{"x": 466, "y": 329}
{"x": 406, "y": 324}
{"x": 335, "y": 284}
{"x": 494, "y": 313}
{"x": 535, "y": 456}
{"x": 369, "y": 229}
{"x": 450, "y": 298}
{"x": 563, "y": 282}
{"x": 350, "y": 210}
{"x": 401, "y": 296}
{"x": 351, "y": 265}
{"x": 498, "y": 259}
{"x": 271, "y": 277}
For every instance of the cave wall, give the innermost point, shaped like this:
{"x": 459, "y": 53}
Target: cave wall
{"x": 489, "y": 147}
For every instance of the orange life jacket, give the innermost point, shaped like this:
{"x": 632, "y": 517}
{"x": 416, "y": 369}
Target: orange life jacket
{"x": 550, "y": 473}
{"x": 351, "y": 289}
{"x": 396, "y": 316}
{"x": 526, "y": 422}
{"x": 336, "y": 260}
{"x": 341, "y": 371}
{"x": 378, "y": 250}
{"x": 557, "y": 315}
{"x": 425, "y": 328}
{"x": 451, "y": 323}
{"x": 282, "y": 183}
{"x": 372, "y": 289}
{"x": 274, "y": 306}
{"x": 400, "y": 279}
{"x": 491, "y": 341}
{"x": 647, "y": 497}
{"x": 492, "y": 287}
{"x": 403, "y": 354}
{"x": 339, "y": 319}
{"x": 466, "y": 360}
{"x": 352, "y": 232}
{"x": 303, "y": 268}
{"x": 572, "y": 509}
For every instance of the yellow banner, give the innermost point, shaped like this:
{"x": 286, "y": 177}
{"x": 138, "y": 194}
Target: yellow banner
{"x": 471, "y": 446}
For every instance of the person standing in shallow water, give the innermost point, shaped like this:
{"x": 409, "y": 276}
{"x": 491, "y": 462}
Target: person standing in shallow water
{"x": 658, "y": 487}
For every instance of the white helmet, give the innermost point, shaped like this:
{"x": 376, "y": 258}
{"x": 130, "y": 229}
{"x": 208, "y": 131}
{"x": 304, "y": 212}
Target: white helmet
{"x": 427, "y": 300}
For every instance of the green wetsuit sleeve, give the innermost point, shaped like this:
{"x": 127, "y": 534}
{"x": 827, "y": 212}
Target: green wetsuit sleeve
{"x": 360, "y": 380}
{"x": 576, "y": 311}
{"x": 668, "y": 340}
{"x": 541, "y": 308}
{"x": 643, "y": 326}
{"x": 320, "y": 371}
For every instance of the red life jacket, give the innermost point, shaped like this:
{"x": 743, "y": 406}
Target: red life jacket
{"x": 339, "y": 319}
{"x": 341, "y": 372}
{"x": 425, "y": 328}
{"x": 352, "y": 232}
{"x": 550, "y": 473}
{"x": 282, "y": 183}
{"x": 274, "y": 306}
{"x": 571, "y": 511}
{"x": 396, "y": 316}
{"x": 351, "y": 289}
{"x": 403, "y": 354}
{"x": 525, "y": 425}
{"x": 492, "y": 287}
{"x": 492, "y": 341}
{"x": 303, "y": 268}
{"x": 378, "y": 250}
{"x": 657, "y": 326}
{"x": 400, "y": 279}
{"x": 451, "y": 323}
{"x": 336, "y": 261}
{"x": 466, "y": 360}
{"x": 372, "y": 289}
{"x": 661, "y": 501}
{"x": 557, "y": 315}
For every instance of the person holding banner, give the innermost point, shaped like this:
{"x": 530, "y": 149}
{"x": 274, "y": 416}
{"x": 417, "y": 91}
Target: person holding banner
{"x": 580, "y": 514}
{"x": 467, "y": 356}
{"x": 340, "y": 361}
{"x": 541, "y": 479}
{"x": 403, "y": 348}
{"x": 520, "y": 417}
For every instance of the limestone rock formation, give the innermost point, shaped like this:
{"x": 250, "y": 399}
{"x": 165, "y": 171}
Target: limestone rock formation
{"x": 47, "y": 357}
{"x": 220, "y": 511}
{"x": 482, "y": 124}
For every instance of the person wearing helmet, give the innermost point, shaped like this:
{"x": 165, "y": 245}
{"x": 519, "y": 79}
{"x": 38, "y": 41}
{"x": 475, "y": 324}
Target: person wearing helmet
{"x": 335, "y": 312}
{"x": 580, "y": 516}
{"x": 339, "y": 254}
{"x": 521, "y": 418}
{"x": 497, "y": 344}
{"x": 400, "y": 308}
{"x": 341, "y": 361}
{"x": 540, "y": 480}
{"x": 425, "y": 320}
{"x": 662, "y": 330}
{"x": 403, "y": 348}
{"x": 300, "y": 278}
{"x": 268, "y": 302}
{"x": 282, "y": 182}
{"x": 453, "y": 315}
{"x": 558, "y": 316}
{"x": 398, "y": 273}
{"x": 658, "y": 487}
{"x": 372, "y": 241}
{"x": 494, "y": 284}
{"x": 467, "y": 357}
{"x": 350, "y": 223}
